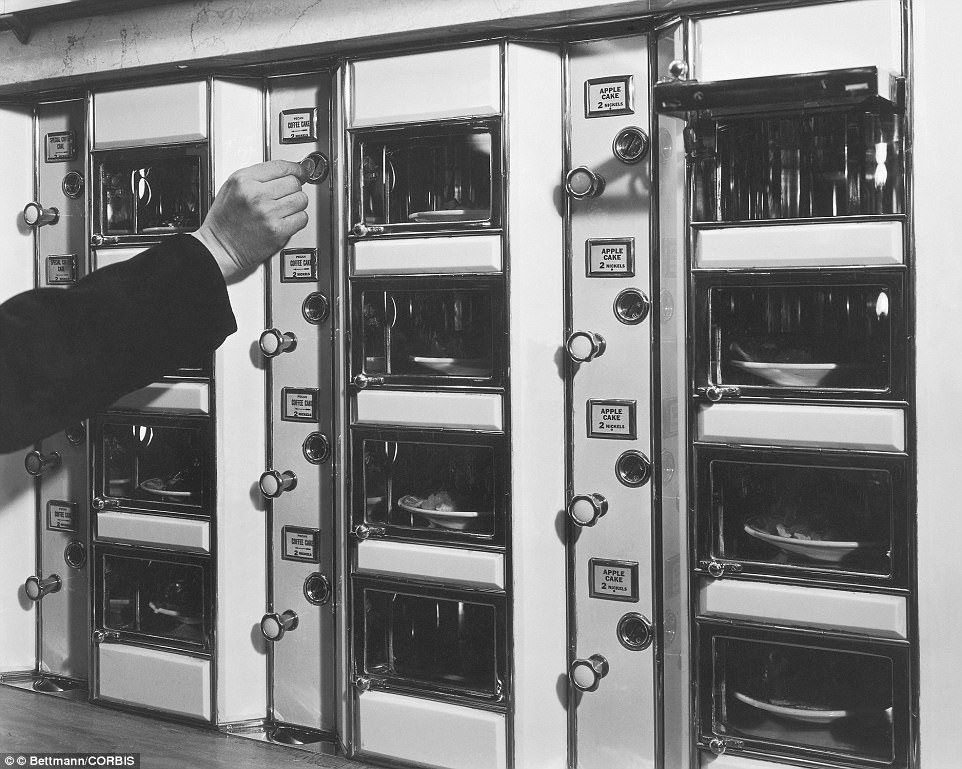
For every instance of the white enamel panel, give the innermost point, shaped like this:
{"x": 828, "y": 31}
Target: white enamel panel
{"x": 430, "y": 734}
{"x": 445, "y": 564}
{"x": 474, "y": 254}
{"x": 101, "y": 257}
{"x": 168, "y": 396}
{"x": 842, "y": 427}
{"x": 874, "y": 614}
{"x": 736, "y": 762}
{"x": 837, "y": 35}
{"x": 427, "y": 86}
{"x": 158, "y": 114}
{"x": 481, "y": 411}
{"x": 183, "y": 533}
{"x": 832, "y": 244}
{"x": 149, "y": 678}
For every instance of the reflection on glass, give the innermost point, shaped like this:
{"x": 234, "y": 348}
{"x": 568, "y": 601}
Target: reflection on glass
{"x": 431, "y": 641}
{"x": 799, "y": 336}
{"x": 153, "y": 463}
{"x": 438, "y": 177}
{"x": 443, "y": 487}
{"x": 154, "y": 597}
{"x": 796, "y": 166}
{"x": 441, "y": 332}
{"x": 824, "y": 699}
{"x": 817, "y": 517}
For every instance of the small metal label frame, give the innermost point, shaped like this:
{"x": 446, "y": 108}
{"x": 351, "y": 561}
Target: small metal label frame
{"x": 612, "y": 419}
{"x": 301, "y": 544}
{"x": 61, "y": 269}
{"x": 610, "y": 258}
{"x": 609, "y": 96}
{"x": 61, "y": 516}
{"x": 298, "y": 126}
{"x": 299, "y": 265}
{"x": 299, "y": 404}
{"x": 613, "y": 580}
{"x": 60, "y": 146}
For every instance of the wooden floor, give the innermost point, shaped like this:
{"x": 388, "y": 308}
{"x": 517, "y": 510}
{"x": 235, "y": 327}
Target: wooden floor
{"x": 40, "y": 723}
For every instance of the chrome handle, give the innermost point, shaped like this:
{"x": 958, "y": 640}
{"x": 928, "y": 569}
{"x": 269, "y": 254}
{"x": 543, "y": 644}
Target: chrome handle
{"x": 583, "y": 346}
{"x": 362, "y": 230}
{"x": 718, "y": 745}
{"x": 362, "y": 531}
{"x": 273, "y": 483}
{"x": 363, "y": 683}
{"x": 586, "y": 509}
{"x": 274, "y": 625}
{"x": 99, "y": 636}
{"x": 37, "y": 464}
{"x": 586, "y": 674}
{"x": 582, "y": 182}
{"x": 716, "y": 392}
{"x": 678, "y": 69}
{"x": 718, "y": 569}
{"x": 35, "y": 215}
{"x": 104, "y": 503}
{"x": 37, "y": 588}
{"x": 317, "y": 167}
{"x": 273, "y": 342}
{"x": 103, "y": 240}
{"x": 362, "y": 381}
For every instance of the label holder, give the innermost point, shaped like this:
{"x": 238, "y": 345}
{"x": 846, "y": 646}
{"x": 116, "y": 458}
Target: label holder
{"x": 60, "y": 146}
{"x": 628, "y": 568}
{"x": 595, "y": 253}
{"x": 290, "y": 548}
{"x": 299, "y": 265}
{"x": 596, "y": 431}
{"x": 595, "y": 96}
{"x": 62, "y": 516}
{"x": 297, "y": 126}
{"x": 300, "y": 410}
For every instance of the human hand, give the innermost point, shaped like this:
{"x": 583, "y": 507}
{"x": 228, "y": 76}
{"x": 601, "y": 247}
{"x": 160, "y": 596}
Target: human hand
{"x": 255, "y": 213}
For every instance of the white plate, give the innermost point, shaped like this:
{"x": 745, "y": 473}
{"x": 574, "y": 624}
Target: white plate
{"x": 475, "y": 367}
{"x": 788, "y": 374}
{"x": 827, "y": 550}
{"x": 451, "y": 215}
{"x": 156, "y": 486}
{"x": 798, "y": 714}
{"x": 447, "y": 519}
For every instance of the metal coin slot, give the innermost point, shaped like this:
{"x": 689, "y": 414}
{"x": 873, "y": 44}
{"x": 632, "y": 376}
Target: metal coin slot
{"x": 317, "y": 589}
{"x": 633, "y": 469}
{"x": 317, "y": 167}
{"x": 316, "y": 308}
{"x": 316, "y": 448}
{"x": 76, "y": 434}
{"x": 635, "y": 632}
{"x": 630, "y": 145}
{"x": 632, "y": 306}
{"x": 73, "y": 184}
{"x": 75, "y": 554}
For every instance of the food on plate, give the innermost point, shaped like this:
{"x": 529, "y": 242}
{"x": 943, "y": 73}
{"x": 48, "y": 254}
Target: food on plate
{"x": 440, "y": 500}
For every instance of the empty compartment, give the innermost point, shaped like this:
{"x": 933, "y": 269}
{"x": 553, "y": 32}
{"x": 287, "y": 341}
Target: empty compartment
{"x": 430, "y": 177}
{"x": 441, "y": 641}
{"x": 429, "y": 332}
{"x": 794, "y": 695}
{"x": 819, "y": 334}
{"x": 842, "y": 516}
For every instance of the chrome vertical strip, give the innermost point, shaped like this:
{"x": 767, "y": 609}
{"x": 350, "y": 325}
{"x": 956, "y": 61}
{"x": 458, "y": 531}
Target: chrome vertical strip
{"x": 93, "y": 658}
{"x": 269, "y": 433}
{"x": 37, "y": 282}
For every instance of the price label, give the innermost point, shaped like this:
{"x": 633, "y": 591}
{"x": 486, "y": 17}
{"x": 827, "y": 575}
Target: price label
{"x": 60, "y": 146}
{"x": 298, "y": 405}
{"x": 612, "y": 419}
{"x": 299, "y": 265}
{"x": 301, "y": 544}
{"x": 298, "y": 126}
{"x": 61, "y": 516}
{"x": 61, "y": 269}
{"x": 613, "y": 580}
{"x": 609, "y": 96}
{"x": 610, "y": 258}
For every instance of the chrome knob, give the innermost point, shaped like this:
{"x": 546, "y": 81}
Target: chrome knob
{"x": 273, "y": 342}
{"x": 362, "y": 531}
{"x": 103, "y": 240}
{"x": 361, "y": 381}
{"x": 104, "y": 503}
{"x": 586, "y": 674}
{"x": 362, "y": 230}
{"x": 716, "y": 392}
{"x": 586, "y": 509}
{"x": 363, "y": 683}
{"x": 317, "y": 167}
{"x": 677, "y": 69}
{"x": 35, "y": 215}
{"x": 37, "y": 464}
{"x": 99, "y": 636}
{"x": 37, "y": 588}
{"x": 273, "y": 483}
{"x": 583, "y": 346}
{"x": 582, "y": 182}
{"x": 274, "y": 625}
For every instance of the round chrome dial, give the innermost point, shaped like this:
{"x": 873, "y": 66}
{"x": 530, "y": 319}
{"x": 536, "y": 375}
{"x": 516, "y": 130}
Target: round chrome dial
{"x": 317, "y": 166}
{"x": 635, "y": 632}
{"x": 316, "y": 448}
{"x": 75, "y": 554}
{"x": 316, "y": 308}
{"x": 633, "y": 469}
{"x": 632, "y": 306}
{"x": 630, "y": 145}
{"x": 317, "y": 589}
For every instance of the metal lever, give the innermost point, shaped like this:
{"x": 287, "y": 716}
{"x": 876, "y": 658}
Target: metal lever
{"x": 273, "y": 342}
{"x": 37, "y": 464}
{"x": 37, "y": 588}
{"x": 583, "y": 346}
{"x": 587, "y": 509}
{"x": 582, "y": 182}
{"x": 35, "y": 215}
{"x": 274, "y": 625}
{"x": 586, "y": 674}
{"x": 273, "y": 483}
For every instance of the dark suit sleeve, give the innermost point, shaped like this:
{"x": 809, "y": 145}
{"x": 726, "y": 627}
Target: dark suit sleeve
{"x": 67, "y": 353}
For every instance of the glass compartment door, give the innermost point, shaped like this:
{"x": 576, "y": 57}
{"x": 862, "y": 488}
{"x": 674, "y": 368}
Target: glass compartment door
{"x": 840, "y": 517}
{"x": 429, "y": 333}
{"x": 793, "y": 695}
{"x": 844, "y": 334}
